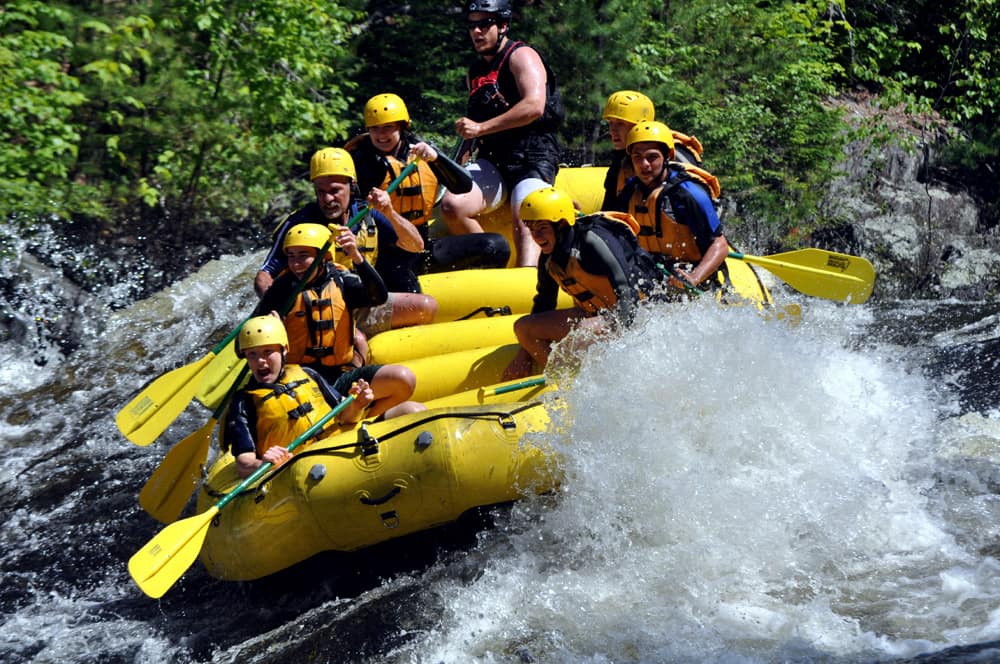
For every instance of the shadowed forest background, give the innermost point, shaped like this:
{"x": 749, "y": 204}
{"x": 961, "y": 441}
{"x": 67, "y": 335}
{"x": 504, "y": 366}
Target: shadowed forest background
{"x": 189, "y": 123}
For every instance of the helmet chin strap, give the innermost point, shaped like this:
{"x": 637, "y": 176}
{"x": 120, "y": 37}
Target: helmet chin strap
{"x": 501, "y": 36}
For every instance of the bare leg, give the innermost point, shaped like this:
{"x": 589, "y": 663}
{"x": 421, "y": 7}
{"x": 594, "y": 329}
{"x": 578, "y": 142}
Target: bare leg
{"x": 404, "y": 408}
{"x": 460, "y": 211}
{"x": 393, "y": 384}
{"x": 537, "y": 332}
{"x": 412, "y": 309}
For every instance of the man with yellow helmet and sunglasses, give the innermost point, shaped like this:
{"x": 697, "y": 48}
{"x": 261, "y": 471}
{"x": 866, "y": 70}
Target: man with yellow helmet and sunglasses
{"x": 391, "y": 243}
{"x": 595, "y": 259}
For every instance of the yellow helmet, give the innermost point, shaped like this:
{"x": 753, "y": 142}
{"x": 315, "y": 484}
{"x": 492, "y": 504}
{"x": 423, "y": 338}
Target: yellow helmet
{"x": 332, "y": 161}
{"x": 306, "y": 235}
{"x": 548, "y": 204}
{"x": 261, "y": 331}
{"x": 651, "y": 132}
{"x": 630, "y": 106}
{"x": 386, "y": 108}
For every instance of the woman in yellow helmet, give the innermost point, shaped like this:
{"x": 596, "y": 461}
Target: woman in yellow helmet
{"x": 385, "y": 149}
{"x": 595, "y": 259}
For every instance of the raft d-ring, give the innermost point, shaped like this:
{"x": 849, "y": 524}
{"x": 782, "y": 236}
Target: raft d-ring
{"x": 390, "y": 519}
{"x": 507, "y": 421}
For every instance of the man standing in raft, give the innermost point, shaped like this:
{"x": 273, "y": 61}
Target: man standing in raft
{"x": 595, "y": 259}
{"x": 259, "y": 423}
{"x": 513, "y": 113}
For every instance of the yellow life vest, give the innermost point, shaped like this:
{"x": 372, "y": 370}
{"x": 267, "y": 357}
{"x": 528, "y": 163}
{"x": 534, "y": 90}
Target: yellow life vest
{"x": 660, "y": 233}
{"x": 286, "y": 409}
{"x": 366, "y": 237}
{"x": 320, "y": 326}
{"x": 590, "y": 292}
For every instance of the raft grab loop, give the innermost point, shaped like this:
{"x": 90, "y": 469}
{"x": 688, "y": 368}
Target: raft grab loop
{"x": 365, "y": 500}
{"x": 489, "y": 311}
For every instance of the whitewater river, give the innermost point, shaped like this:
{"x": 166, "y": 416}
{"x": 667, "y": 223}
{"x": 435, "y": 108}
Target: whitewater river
{"x": 736, "y": 490}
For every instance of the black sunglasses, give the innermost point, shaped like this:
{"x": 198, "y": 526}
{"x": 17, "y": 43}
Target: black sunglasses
{"x": 482, "y": 24}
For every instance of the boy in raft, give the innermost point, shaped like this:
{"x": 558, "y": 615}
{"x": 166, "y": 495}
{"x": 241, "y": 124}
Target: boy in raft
{"x": 281, "y": 401}
{"x": 382, "y": 152}
{"x": 320, "y": 324}
{"x": 673, "y": 204}
{"x": 595, "y": 259}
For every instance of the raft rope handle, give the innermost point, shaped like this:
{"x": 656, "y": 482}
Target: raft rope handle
{"x": 490, "y": 312}
{"x": 501, "y": 416}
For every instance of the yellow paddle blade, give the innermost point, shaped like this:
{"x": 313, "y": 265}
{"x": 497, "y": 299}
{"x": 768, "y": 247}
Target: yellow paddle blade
{"x": 168, "y": 489}
{"x": 219, "y": 376}
{"x": 820, "y": 273}
{"x": 149, "y": 414}
{"x": 158, "y": 565}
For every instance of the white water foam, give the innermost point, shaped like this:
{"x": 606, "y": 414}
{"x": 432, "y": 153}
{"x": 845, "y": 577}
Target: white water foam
{"x": 736, "y": 490}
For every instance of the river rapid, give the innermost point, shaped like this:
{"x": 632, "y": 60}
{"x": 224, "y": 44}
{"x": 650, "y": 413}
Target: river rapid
{"x": 736, "y": 490}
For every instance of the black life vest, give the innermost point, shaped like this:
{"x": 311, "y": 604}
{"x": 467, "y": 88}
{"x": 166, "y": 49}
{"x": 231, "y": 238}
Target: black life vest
{"x": 493, "y": 90}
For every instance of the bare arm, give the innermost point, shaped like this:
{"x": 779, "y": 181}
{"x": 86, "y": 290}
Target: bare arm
{"x": 529, "y": 72}
{"x": 408, "y": 237}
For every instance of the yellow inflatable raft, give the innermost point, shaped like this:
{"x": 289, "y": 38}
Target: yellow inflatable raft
{"x": 379, "y": 482}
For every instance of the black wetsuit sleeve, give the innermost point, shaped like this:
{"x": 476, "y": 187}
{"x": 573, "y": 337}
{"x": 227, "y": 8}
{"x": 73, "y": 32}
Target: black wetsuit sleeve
{"x": 450, "y": 174}
{"x": 241, "y": 425}
{"x": 611, "y": 182}
{"x": 363, "y": 287}
{"x": 601, "y": 253}
{"x": 277, "y": 295}
{"x": 546, "y": 291}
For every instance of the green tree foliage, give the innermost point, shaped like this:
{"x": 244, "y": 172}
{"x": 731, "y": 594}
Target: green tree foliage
{"x": 37, "y": 102}
{"x": 201, "y": 110}
{"x": 192, "y": 107}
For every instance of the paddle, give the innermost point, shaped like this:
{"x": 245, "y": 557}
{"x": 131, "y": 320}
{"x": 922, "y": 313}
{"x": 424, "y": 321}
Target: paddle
{"x": 219, "y": 374}
{"x": 513, "y": 387}
{"x": 158, "y": 565}
{"x": 169, "y": 487}
{"x": 820, "y": 273}
{"x": 146, "y": 416}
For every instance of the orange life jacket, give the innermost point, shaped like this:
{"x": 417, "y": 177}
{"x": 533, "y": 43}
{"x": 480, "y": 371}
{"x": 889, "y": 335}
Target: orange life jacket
{"x": 661, "y": 233}
{"x": 320, "y": 326}
{"x": 590, "y": 292}
{"x": 414, "y": 198}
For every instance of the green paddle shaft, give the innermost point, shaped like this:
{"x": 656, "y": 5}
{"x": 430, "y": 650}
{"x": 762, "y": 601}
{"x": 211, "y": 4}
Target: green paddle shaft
{"x": 409, "y": 168}
{"x": 513, "y": 387}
